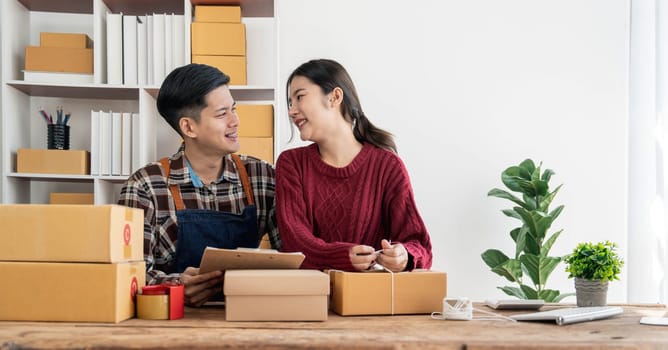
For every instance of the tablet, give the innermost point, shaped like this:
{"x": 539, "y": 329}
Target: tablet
{"x": 515, "y": 304}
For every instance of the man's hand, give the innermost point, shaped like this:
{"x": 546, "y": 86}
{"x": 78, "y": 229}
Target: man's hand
{"x": 199, "y": 288}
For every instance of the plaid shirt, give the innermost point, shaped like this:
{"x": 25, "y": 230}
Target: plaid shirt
{"x": 146, "y": 189}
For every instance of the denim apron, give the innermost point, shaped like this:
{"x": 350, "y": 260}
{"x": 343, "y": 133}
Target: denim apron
{"x": 201, "y": 228}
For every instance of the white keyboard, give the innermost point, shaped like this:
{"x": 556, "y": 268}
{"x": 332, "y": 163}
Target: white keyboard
{"x": 571, "y": 315}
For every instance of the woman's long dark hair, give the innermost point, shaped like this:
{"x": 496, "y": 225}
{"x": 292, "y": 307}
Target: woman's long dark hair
{"x": 329, "y": 74}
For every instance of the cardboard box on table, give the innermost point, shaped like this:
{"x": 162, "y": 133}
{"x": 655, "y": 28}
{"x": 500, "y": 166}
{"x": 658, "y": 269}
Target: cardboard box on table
{"x": 71, "y": 292}
{"x": 71, "y": 233}
{"x": 276, "y": 295}
{"x": 385, "y": 293}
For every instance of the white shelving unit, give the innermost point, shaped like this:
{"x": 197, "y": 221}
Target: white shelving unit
{"x": 20, "y": 126}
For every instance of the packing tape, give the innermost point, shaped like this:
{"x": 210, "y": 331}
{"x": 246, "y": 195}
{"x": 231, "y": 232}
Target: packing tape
{"x": 391, "y": 289}
{"x": 380, "y": 267}
{"x": 161, "y": 302}
{"x": 153, "y": 307}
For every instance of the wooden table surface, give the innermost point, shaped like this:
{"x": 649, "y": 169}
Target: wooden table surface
{"x": 206, "y": 328}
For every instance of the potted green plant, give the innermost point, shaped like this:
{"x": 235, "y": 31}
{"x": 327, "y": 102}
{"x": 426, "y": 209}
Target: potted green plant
{"x": 593, "y": 266}
{"x": 532, "y": 243}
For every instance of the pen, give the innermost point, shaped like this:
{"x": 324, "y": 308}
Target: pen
{"x": 67, "y": 118}
{"x": 44, "y": 115}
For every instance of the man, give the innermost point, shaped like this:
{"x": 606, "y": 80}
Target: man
{"x": 204, "y": 195}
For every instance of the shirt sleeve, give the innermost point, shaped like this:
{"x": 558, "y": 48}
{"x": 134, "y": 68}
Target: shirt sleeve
{"x": 405, "y": 223}
{"x": 135, "y": 194}
{"x": 295, "y": 228}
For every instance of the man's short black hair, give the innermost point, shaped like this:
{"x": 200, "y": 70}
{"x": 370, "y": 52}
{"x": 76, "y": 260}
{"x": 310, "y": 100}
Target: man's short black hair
{"x": 183, "y": 92}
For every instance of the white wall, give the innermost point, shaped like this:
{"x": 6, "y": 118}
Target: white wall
{"x": 470, "y": 87}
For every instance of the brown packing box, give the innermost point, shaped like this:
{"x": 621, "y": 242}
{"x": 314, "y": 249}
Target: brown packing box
{"x": 234, "y": 66}
{"x": 276, "y": 295}
{"x": 226, "y": 39}
{"x": 71, "y": 198}
{"x": 70, "y": 292}
{"x": 59, "y": 59}
{"x": 220, "y": 14}
{"x": 258, "y": 147}
{"x": 370, "y": 293}
{"x": 256, "y": 120}
{"x": 71, "y": 233}
{"x": 72, "y": 40}
{"x": 52, "y": 161}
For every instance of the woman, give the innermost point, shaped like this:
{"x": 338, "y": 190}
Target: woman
{"x": 345, "y": 201}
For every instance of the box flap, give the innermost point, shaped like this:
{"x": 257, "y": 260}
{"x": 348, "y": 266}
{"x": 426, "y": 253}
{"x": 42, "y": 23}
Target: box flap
{"x": 276, "y": 282}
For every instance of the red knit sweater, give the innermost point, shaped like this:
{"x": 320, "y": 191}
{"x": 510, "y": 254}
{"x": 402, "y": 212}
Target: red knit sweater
{"x": 323, "y": 211}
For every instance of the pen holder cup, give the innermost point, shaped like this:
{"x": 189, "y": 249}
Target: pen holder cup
{"x": 58, "y": 136}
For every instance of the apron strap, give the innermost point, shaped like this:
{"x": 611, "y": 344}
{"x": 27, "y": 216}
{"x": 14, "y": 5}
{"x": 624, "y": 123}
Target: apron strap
{"x": 173, "y": 188}
{"x": 176, "y": 193}
{"x": 245, "y": 180}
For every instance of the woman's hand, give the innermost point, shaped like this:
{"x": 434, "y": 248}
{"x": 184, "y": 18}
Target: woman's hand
{"x": 362, "y": 257}
{"x": 393, "y": 256}
{"x": 199, "y": 288}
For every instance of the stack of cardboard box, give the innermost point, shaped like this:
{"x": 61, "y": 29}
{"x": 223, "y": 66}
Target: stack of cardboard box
{"x": 60, "y": 53}
{"x": 78, "y": 263}
{"x": 219, "y": 40}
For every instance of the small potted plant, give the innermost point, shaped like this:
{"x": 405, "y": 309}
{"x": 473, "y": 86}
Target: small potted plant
{"x": 593, "y": 266}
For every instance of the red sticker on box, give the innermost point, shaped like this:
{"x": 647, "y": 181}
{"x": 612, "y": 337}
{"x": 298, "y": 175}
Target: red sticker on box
{"x": 127, "y": 234}
{"x": 134, "y": 287}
